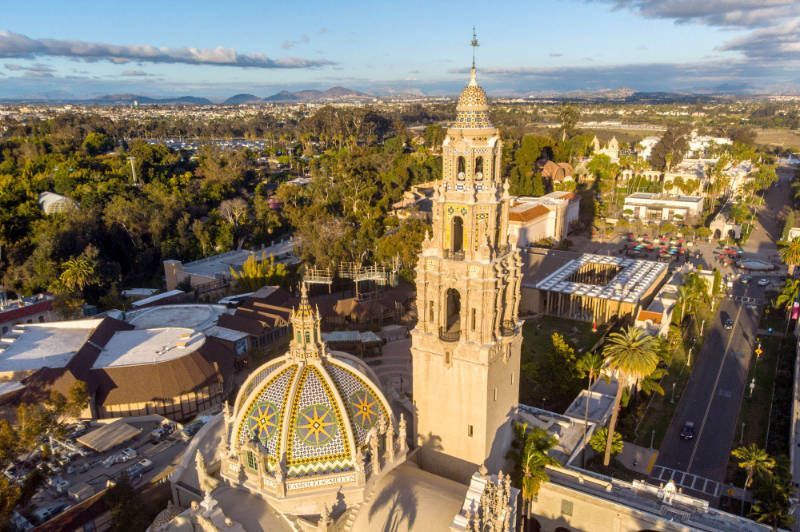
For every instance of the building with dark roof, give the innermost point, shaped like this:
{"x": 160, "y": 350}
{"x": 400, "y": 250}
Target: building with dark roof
{"x": 171, "y": 371}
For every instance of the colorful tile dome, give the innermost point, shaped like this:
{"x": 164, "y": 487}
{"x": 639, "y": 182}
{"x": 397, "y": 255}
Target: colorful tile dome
{"x": 472, "y": 109}
{"x": 311, "y": 410}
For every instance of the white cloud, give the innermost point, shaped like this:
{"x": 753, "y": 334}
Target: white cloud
{"x": 18, "y": 45}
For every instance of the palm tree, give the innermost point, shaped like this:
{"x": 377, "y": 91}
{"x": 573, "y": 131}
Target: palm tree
{"x": 590, "y": 364}
{"x": 630, "y": 356}
{"x": 755, "y": 461}
{"x": 534, "y": 461}
{"x": 790, "y": 253}
{"x": 78, "y": 272}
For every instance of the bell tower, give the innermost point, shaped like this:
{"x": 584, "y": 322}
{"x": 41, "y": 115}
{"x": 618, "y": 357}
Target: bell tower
{"x": 466, "y": 344}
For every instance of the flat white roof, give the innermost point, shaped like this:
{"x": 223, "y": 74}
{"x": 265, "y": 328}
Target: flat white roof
{"x": 222, "y": 263}
{"x": 155, "y": 298}
{"x": 148, "y": 346}
{"x": 198, "y": 317}
{"x": 33, "y": 346}
{"x": 631, "y": 282}
{"x": 226, "y": 334}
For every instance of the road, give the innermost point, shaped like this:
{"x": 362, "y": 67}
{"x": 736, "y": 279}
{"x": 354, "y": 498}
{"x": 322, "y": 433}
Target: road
{"x": 714, "y": 393}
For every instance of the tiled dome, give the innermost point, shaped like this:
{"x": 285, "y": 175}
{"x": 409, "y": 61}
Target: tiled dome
{"x": 310, "y": 408}
{"x": 472, "y": 109}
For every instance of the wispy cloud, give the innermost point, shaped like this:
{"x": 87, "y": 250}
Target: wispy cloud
{"x": 773, "y": 25}
{"x": 20, "y": 46}
{"x": 136, "y": 74}
{"x": 288, "y": 45}
{"x": 556, "y": 54}
{"x": 37, "y": 70}
{"x": 726, "y": 13}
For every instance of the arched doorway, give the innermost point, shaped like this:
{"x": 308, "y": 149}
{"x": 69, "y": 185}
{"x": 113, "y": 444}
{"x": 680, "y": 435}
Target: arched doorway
{"x": 479, "y": 167}
{"x": 457, "y": 245}
{"x": 453, "y": 313}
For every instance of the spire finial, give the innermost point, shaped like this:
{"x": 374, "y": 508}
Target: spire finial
{"x": 303, "y": 293}
{"x": 474, "y": 43}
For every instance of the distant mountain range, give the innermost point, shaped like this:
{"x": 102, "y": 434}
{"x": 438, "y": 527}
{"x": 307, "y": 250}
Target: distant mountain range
{"x": 343, "y": 94}
{"x": 332, "y": 94}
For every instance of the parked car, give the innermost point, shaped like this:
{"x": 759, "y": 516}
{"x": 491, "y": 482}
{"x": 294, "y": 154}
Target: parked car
{"x": 146, "y": 464}
{"x": 687, "y": 432}
{"x": 111, "y": 460}
{"x": 745, "y": 279}
{"x": 191, "y": 429}
{"x": 128, "y": 454}
{"x": 728, "y": 324}
{"x": 763, "y": 281}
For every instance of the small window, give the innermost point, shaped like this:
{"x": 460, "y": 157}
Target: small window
{"x": 308, "y": 337}
{"x": 495, "y": 393}
{"x": 472, "y": 320}
{"x": 512, "y": 378}
{"x": 469, "y": 430}
{"x": 430, "y": 311}
{"x": 252, "y": 463}
{"x": 448, "y": 358}
{"x": 566, "y": 507}
{"x": 5, "y": 329}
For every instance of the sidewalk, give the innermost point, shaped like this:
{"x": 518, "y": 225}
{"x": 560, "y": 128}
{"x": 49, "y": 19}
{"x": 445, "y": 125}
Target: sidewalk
{"x": 638, "y": 458}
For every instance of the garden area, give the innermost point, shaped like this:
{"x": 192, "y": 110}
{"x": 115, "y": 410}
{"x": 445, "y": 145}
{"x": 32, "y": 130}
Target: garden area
{"x": 551, "y": 347}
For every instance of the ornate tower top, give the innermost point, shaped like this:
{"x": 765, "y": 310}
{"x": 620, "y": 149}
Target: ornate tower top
{"x": 307, "y": 338}
{"x": 472, "y": 109}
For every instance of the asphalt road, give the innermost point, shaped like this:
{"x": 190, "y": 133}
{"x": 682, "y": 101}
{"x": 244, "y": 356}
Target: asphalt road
{"x": 718, "y": 383}
{"x": 714, "y": 392}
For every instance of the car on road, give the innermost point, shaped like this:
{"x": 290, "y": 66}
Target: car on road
{"x": 745, "y": 279}
{"x": 687, "y": 432}
{"x": 728, "y": 324}
{"x": 763, "y": 281}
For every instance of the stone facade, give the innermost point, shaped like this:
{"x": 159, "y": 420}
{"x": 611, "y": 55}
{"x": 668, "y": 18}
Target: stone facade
{"x": 466, "y": 345}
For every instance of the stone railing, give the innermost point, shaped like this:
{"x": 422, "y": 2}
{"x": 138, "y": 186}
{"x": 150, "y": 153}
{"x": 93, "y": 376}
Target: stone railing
{"x": 449, "y": 336}
{"x": 453, "y": 255}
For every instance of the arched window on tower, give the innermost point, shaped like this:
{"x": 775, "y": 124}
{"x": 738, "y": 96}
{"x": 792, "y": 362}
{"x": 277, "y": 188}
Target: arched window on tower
{"x": 461, "y": 167}
{"x": 453, "y": 316}
{"x": 478, "y": 168}
{"x": 457, "y": 245}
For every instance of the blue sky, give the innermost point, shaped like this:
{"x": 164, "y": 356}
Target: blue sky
{"x": 215, "y": 49}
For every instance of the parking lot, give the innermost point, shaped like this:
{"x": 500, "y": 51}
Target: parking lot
{"x": 74, "y": 473}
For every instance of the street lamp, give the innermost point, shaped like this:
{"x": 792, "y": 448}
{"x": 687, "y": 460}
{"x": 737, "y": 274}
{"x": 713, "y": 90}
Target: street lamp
{"x": 689, "y": 357}
{"x": 752, "y": 386}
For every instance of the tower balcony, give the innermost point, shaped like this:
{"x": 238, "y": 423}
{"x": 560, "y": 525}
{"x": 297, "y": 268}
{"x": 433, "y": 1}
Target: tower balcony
{"x": 453, "y": 255}
{"x": 508, "y": 328}
{"x": 448, "y": 335}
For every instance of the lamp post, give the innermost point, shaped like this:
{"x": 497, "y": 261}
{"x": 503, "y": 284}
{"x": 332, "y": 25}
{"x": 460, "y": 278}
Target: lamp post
{"x": 752, "y": 386}
{"x": 672, "y": 399}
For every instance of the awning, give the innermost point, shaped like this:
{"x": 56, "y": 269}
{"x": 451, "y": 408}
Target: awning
{"x": 109, "y": 436}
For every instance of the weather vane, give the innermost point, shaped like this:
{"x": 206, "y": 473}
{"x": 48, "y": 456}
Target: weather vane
{"x": 474, "y": 43}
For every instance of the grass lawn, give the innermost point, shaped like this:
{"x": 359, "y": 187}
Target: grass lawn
{"x": 547, "y": 380}
{"x": 578, "y": 333}
{"x": 771, "y": 317}
{"x": 773, "y": 389}
{"x": 784, "y": 138}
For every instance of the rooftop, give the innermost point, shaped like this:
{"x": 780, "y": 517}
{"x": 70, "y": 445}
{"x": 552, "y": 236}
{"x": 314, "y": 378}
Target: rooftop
{"x": 664, "y": 197}
{"x": 199, "y": 317}
{"x": 631, "y": 283}
{"x": 33, "y": 346}
{"x": 222, "y": 263}
{"x": 148, "y": 346}
{"x": 154, "y": 298}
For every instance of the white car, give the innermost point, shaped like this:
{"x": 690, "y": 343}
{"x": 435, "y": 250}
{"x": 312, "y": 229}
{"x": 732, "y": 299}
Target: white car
{"x": 763, "y": 281}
